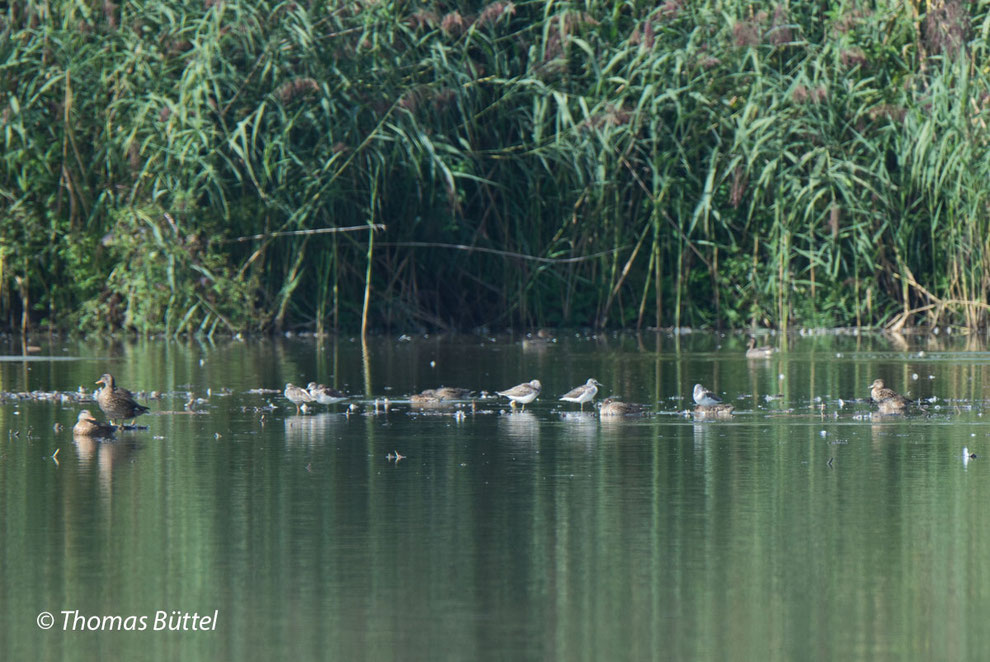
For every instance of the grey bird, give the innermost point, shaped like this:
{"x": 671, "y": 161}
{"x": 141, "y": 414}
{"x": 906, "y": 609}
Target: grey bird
{"x": 297, "y": 396}
{"x": 523, "y": 393}
{"x": 584, "y": 393}
{"x": 704, "y": 397}
{"x": 325, "y": 395}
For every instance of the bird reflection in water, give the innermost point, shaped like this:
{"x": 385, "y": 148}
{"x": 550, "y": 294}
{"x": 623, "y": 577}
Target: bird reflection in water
{"x": 309, "y": 429}
{"x": 520, "y": 426}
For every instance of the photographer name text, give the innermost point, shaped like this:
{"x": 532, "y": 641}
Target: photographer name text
{"x": 160, "y": 621}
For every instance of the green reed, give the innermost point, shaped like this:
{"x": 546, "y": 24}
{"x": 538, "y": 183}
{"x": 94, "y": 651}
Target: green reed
{"x": 167, "y": 168}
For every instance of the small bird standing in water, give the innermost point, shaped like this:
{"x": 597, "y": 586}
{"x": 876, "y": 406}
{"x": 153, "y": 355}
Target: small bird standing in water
{"x": 581, "y": 394}
{"x": 325, "y": 395}
{"x": 523, "y": 393}
{"x": 297, "y": 396}
{"x": 704, "y": 397}
{"x": 709, "y": 404}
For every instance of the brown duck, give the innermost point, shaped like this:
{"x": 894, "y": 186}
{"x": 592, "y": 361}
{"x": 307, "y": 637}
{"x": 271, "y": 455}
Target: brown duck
{"x": 614, "y": 407}
{"x": 887, "y": 399}
{"x": 436, "y": 395}
{"x": 452, "y": 393}
{"x": 427, "y": 397}
{"x": 87, "y": 426}
{"x": 117, "y": 403}
{"x": 761, "y": 352}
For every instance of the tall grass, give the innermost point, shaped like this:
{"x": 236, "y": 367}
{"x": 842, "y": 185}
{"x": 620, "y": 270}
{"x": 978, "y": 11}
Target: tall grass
{"x": 720, "y": 163}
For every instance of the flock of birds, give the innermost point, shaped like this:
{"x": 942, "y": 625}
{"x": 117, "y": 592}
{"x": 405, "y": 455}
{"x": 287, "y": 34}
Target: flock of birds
{"x": 708, "y": 404}
{"x": 519, "y": 396}
{"x": 120, "y": 406}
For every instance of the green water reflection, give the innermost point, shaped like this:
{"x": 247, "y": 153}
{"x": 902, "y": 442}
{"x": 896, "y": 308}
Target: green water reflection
{"x": 788, "y": 532}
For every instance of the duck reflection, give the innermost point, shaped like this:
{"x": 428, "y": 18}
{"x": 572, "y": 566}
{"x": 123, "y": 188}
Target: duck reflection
{"x": 887, "y": 427}
{"x": 107, "y": 454}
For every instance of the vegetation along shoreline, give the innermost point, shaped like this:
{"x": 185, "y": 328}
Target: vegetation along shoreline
{"x": 243, "y": 167}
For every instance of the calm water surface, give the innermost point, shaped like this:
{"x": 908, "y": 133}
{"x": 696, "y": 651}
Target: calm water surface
{"x": 798, "y": 530}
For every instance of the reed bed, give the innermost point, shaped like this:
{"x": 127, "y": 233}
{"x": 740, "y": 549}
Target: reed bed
{"x": 233, "y": 165}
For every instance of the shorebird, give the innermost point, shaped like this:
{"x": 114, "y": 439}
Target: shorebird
{"x": 87, "y": 426}
{"x": 297, "y": 396}
{"x": 116, "y": 402}
{"x": 581, "y": 394}
{"x": 325, "y": 395}
{"x": 613, "y": 407}
{"x": 523, "y": 393}
{"x": 762, "y": 352}
{"x": 704, "y": 397}
{"x": 887, "y": 399}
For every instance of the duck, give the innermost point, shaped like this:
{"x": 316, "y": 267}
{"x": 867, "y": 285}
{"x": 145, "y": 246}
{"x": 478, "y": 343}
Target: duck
{"x": 297, "y": 396}
{"x": 116, "y": 402}
{"x": 325, "y": 395}
{"x": 432, "y": 396}
{"x": 762, "y": 352}
{"x": 616, "y": 407}
{"x": 888, "y": 400}
{"x": 87, "y": 426}
{"x": 427, "y": 397}
{"x": 452, "y": 393}
{"x": 713, "y": 411}
{"x": 581, "y": 394}
{"x": 523, "y": 393}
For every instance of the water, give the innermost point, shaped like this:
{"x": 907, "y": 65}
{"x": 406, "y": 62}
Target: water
{"x": 787, "y": 532}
